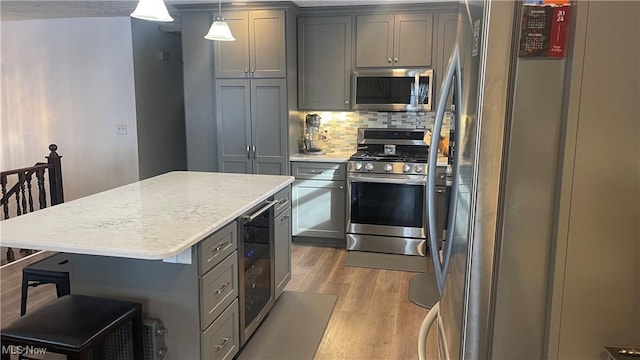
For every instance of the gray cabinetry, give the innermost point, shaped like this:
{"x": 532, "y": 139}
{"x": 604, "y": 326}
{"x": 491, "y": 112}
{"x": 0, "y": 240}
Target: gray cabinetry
{"x": 218, "y": 289}
{"x": 324, "y": 63}
{"x": 252, "y": 118}
{"x": 282, "y": 241}
{"x": 259, "y": 49}
{"x": 395, "y": 40}
{"x": 447, "y": 29}
{"x": 318, "y": 199}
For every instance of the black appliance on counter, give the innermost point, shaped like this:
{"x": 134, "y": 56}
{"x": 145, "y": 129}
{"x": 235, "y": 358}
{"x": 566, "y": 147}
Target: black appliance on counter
{"x": 387, "y": 197}
{"x": 257, "y": 268}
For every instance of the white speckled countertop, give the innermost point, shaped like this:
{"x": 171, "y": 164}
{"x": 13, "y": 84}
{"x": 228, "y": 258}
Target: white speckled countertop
{"x": 156, "y": 218}
{"x": 339, "y": 157}
{"x": 335, "y": 157}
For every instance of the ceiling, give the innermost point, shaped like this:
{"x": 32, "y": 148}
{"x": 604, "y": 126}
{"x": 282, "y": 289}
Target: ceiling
{"x": 46, "y": 9}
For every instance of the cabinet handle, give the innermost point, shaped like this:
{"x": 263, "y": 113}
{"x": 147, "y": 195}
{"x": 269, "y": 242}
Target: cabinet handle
{"x": 341, "y": 187}
{"x": 346, "y": 102}
{"x": 246, "y": 70}
{"x": 221, "y": 246}
{"x": 253, "y": 70}
{"x": 389, "y": 60}
{"x": 395, "y": 59}
{"x": 283, "y": 202}
{"x": 315, "y": 171}
{"x": 223, "y": 344}
{"x": 221, "y": 288}
{"x": 253, "y": 148}
{"x": 248, "y": 152}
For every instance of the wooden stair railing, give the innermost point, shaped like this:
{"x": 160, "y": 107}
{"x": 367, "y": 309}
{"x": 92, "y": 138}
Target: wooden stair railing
{"x": 22, "y": 189}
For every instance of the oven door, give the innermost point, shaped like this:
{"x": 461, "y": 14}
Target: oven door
{"x": 387, "y": 205}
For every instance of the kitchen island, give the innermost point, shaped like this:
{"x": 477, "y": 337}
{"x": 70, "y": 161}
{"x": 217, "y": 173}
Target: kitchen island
{"x": 153, "y": 241}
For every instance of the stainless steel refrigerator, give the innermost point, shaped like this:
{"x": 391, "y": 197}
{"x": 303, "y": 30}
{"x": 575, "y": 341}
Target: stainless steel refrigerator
{"x": 506, "y": 121}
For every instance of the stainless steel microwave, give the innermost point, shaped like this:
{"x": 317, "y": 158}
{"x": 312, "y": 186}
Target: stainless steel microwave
{"x": 392, "y": 89}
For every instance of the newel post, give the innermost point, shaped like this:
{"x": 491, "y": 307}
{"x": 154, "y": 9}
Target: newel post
{"x": 55, "y": 175}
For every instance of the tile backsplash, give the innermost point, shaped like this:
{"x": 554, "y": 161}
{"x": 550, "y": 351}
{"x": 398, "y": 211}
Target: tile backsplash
{"x": 341, "y": 127}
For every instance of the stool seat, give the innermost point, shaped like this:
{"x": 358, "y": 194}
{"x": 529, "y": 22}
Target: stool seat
{"x": 73, "y": 324}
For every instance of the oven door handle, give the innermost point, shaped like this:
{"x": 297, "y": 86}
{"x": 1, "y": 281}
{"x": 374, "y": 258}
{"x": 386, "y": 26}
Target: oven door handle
{"x": 387, "y": 180}
{"x": 268, "y": 206}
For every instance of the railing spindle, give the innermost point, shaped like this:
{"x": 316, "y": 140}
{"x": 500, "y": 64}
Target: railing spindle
{"x": 42, "y": 192}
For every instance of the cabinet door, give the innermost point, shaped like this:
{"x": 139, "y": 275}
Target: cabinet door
{"x": 318, "y": 208}
{"x": 267, "y": 55}
{"x": 324, "y": 63}
{"x": 282, "y": 233}
{"x": 268, "y": 126}
{"x": 446, "y": 39}
{"x": 413, "y": 35}
{"x": 374, "y": 40}
{"x": 233, "y": 114}
{"x": 232, "y": 57}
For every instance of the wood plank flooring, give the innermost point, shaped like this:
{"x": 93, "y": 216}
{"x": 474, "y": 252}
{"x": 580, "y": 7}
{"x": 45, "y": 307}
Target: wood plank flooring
{"x": 373, "y": 317}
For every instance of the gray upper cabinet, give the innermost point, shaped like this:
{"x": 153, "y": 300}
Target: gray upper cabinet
{"x": 252, "y": 118}
{"x": 445, "y": 40}
{"x": 259, "y": 49}
{"x": 400, "y": 40}
{"x": 324, "y": 63}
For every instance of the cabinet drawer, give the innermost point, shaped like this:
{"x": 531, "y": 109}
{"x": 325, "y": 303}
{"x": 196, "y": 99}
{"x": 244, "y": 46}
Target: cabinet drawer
{"x": 220, "y": 340}
{"x": 318, "y": 171}
{"x": 216, "y": 247}
{"x": 283, "y": 197}
{"x": 218, "y": 289}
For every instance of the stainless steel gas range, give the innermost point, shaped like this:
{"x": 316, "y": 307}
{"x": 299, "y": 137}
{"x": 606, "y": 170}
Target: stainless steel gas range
{"x": 387, "y": 197}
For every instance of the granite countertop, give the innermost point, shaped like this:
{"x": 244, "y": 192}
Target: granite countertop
{"x": 156, "y": 218}
{"x": 339, "y": 157}
{"x": 335, "y": 157}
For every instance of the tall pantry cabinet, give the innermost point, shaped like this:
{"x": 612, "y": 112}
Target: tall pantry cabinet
{"x": 252, "y": 81}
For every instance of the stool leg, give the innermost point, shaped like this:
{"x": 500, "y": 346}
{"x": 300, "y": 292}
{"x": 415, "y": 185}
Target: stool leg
{"x": 137, "y": 331}
{"x": 63, "y": 288}
{"x": 23, "y": 300}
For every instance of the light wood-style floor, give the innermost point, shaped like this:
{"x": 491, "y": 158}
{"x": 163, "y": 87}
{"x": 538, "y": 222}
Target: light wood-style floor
{"x": 372, "y": 319}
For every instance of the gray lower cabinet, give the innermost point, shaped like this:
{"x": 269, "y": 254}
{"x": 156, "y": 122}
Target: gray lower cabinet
{"x": 282, "y": 250}
{"x": 324, "y": 63}
{"x": 318, "y": 200}
{"x": 252, "y": 126}
{"x": 218, "y": 288}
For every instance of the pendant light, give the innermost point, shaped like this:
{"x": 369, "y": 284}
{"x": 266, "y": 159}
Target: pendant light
{"x": 153, "y": 10}
{"x": 219, "y": 29}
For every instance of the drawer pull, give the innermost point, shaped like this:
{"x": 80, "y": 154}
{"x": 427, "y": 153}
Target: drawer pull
{"x": 221, "y": 288}
{"x": 283, "y": 202}
{"x": 223, "y": 344}
{"x": 315, "y": 171}
{"x": 221, "y": 246}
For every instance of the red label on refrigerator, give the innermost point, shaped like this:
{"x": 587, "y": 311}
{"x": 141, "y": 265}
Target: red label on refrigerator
{"x": 558, "y": 35}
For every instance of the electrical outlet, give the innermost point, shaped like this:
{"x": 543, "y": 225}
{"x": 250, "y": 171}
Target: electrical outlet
{"x": 121, "y": 129}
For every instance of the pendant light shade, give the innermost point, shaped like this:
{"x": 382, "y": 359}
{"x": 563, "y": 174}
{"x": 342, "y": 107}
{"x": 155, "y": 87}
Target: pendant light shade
{"x": 219, "y": 29}
{"x": 152, "y": 10}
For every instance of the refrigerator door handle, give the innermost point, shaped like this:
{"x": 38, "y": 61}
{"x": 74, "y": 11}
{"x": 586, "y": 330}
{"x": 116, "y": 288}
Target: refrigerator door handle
{"x": 452, "y": 73}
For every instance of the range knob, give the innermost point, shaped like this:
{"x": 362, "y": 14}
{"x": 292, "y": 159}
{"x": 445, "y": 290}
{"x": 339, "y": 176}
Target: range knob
{"x": 358, "y": 166}
{"x": 368, "y": 167}
{"x": 419, "y": 168}
{"x": 388, "y": 168}
{"x": 406, "y": 168}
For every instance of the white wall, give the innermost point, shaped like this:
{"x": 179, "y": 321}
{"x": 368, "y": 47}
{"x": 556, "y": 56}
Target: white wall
{"x": 69, "y": 82}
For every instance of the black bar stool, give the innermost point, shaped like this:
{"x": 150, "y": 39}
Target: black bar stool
{"x": 75, "y": 325}
{"x": 52, "y": 270}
